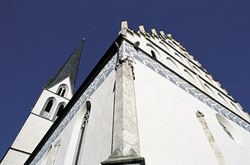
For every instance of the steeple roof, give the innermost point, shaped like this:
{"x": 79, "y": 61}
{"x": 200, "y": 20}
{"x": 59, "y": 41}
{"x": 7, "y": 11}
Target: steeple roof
{"x": 69, "y": 69}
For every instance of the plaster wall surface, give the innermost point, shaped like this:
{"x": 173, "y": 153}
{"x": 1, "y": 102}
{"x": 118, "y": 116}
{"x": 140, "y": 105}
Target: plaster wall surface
{"x": 169, "y": 130}
{"x": 65, "y": 140}
{"x": 98, "y": 139}
{"x": 167, "y": 55}
{"x": 14, "y": 158}
{"x": 96, "y": 144}
{"x": 31, "y": 133}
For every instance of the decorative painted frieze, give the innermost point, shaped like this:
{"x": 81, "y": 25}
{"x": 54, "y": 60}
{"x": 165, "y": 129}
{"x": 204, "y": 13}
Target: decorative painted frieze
{"x": 126, "y": 50}
{"x": 183, "y": 84}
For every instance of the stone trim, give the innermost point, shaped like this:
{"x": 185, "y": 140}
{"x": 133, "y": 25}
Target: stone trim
{"x": 125, "y": 161}
{"x": 125, "y": 133}
{"x": 216, "y": 150}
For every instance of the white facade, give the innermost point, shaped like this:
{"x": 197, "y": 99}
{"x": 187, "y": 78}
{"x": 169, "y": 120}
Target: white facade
{"x": 182, "y": 115}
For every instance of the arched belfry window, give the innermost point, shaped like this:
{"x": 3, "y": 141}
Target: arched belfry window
{"x": 59, "y": 111}
{"x": 82, "y": 132}
{"x": 47, "y": 107}
{"x": 59, "y": 91}
{"x": 62, "y": 90}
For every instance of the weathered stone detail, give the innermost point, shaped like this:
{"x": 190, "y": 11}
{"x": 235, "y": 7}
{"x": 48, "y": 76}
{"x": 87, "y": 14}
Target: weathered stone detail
{"x": 210, "y": 137}
{"x": 125, "y": 146}
{"x": 125, "y": 135}
{"x": 124, "y": 27}
{"x": 125, "y": 161}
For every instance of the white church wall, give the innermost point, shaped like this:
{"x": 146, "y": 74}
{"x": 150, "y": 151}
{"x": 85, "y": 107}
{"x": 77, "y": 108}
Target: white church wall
{"x": 235, "y": 151}
{"x": 177, "y": 55}
{"x": 14, "y": 158}
{"x": 150, "y": 121}
{"x": 98, "y": 139}
{"x": 31, "y": 133}
{"x": 165, "y": 122}
{"x": 163, "y": 106}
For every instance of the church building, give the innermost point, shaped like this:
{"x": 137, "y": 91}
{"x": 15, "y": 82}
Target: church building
{"x": 147, "y": 101}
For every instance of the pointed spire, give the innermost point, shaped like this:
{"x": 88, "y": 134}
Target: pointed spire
{"x": 70, "y": 68}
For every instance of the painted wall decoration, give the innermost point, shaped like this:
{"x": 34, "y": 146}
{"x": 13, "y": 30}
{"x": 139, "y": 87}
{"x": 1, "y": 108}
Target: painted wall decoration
{"x": 177, "y": 80}
{"x": 127, "y": 50}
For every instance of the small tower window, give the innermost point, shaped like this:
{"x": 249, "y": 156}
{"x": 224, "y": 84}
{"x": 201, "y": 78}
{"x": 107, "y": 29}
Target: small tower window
{"x": 60, "y": 110}
{"x": 47, "y": 107}
{"x": 59, "y": 91}
{"x": 62, "y": 90}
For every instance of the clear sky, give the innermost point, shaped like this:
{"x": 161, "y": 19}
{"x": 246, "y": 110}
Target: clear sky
{"x": 37, "y": 36}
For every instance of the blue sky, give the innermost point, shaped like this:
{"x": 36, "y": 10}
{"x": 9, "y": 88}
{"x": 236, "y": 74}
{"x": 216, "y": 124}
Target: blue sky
{"x": 36, "y": 38}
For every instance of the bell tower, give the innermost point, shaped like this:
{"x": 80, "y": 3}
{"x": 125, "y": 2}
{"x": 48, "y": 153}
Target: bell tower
{"x": 50, "y": 104}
